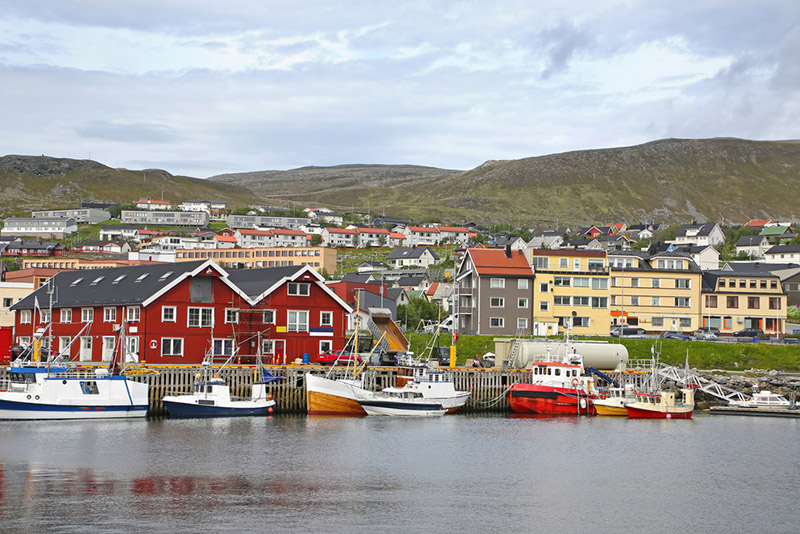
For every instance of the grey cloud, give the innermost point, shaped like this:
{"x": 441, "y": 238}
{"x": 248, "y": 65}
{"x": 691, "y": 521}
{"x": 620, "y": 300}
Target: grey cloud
{"x": 128, "y": 133}
{"x": 560, "y": 44}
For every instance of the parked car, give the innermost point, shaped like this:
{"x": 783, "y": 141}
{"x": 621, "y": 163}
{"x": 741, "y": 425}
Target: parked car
{"x": 674, "y": 334}
{"x": 749, "y": 332}
{"x": 330, "y": 356}
{"x": 705, "y": 334}
{"x": 712, "y": 329}
{"x": 628, "y": 331}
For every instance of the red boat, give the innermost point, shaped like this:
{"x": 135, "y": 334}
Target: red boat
{"x": 556, "y": 388}
{"x": 663, "y": 405}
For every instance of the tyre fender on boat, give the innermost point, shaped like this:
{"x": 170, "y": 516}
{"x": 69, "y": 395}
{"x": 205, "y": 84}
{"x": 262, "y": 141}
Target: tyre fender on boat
{"x": 583, "y": 404}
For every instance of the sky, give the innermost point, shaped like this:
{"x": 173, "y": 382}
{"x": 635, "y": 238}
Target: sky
{"x": 200, "y": 88}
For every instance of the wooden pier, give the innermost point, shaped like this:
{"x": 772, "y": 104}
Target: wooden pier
{"x": 488, "y": 386}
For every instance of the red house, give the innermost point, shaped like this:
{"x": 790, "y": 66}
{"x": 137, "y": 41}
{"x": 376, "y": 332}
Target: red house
{"x": 174, "y": 313}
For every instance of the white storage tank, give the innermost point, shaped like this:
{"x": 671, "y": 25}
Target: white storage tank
{"x": 598, "y": 354}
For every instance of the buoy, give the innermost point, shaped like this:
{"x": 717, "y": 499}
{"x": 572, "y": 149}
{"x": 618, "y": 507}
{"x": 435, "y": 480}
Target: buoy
{"x": 269, "y": 409}
{"x": 669, "y": 416}
{"x": 583, "y": 403}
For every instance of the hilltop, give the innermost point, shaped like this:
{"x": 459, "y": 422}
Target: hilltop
{"x": 39, "y": 182}
{"x": 671, "y": 180}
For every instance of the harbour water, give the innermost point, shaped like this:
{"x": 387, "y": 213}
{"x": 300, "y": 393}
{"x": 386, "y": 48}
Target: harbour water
{"x": 458, "y": 473}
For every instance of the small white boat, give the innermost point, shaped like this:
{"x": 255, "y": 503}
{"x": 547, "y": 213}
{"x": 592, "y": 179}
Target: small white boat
{"x": 764, "y": 400}
{"x": 436, "y": 386}
{"x": 397, "y": 401}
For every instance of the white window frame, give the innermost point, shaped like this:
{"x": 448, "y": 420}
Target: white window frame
{"x": 171, "y": 341}
{"x": 65, "y": 315}
{"x": 295, "y": 322}
{"x": 205, "y": 317}
{"x": 25, "y": 316}
{"x": 544, "y": 305}
{"x": 500, "y": 322}
{"x": 87, "y": 315}
{"x": 326, "y": 318}
{"x": 325, "y": 345}
{"x": 634, "y": 300}
{"x": 133, "y": 314}
{"x": 222, "y": 346}
{"x": 298, "y": 289}
{"x": 522, "y": 303}
{"x": 109, "y": 314}
{"x": 497, "y": 302}
{"x": 231, "y": 316}
{"x": 268, "y": 346}
{"x": 655, "y": 301}
{"x": 167, "y": 309}
{"x": 265, "y": 319}
{"x": 497, "y": 283}
{"x": 522, "y": 283}
{"x": 522, "y": 323}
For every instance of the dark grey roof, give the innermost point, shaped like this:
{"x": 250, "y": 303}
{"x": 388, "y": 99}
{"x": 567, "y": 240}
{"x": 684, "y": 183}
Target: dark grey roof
{"x": 410, "y": 253}
{"x": 34, "y": 245}
{"x": 692, "y": 249}
{"x": 358, "y": 278}
{"x": 702, "y": 229}
{"x": 750, "y": 266}
{"x": 410, "y": 281}
{"x": 254, "y": 282}
{"x": 750, "y": 240}
{"x": 112, "y": 227}
{"x": 783, "y": 249}
{"x": 114, "y": 286}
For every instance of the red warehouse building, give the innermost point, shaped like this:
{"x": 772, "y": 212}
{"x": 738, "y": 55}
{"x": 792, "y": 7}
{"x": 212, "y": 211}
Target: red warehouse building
{"x": 174, "y": 313}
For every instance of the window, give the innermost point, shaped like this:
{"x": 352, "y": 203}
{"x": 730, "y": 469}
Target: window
{"x": 682, "y": 302}
{"x": 541, "y": 263}
{"x": 576, "y": 264}
{"x": 580, "y": 321}
{"x": 544, "y": 306}
{"x": 599, "y": 283}
{"x": 45, "y": 315}
{"x": 655, "y": 301}
{"x": 109, "y": 315}
{"x": 559, "y": 300}
{"x": 25, "y": 316}
{"x": 172, "y": 346}
{"x": 682, "y": 283}
{"x": 325, "y": 345}
{"x": 522, "y": 283}
{"x": 268, "y": 317}
{"x": 297, "y": 321}
{"x": 774, "y": 303}
{"x": 763, "y": 284}
{"x": 773, "y": 284}
{"x": 200, "y": 317}
{"x": 544, "y": 287}
{"x": 742, "y": 284}
{"x": 267, "y": 346}
{"x": 7, "y": 302}
{"x": 522, "y": 324}
{"x": 496, "y": 322}
{"x": 595, "y": 265}
{"x": 299, "y": 289}
{"x": 599, "y": 302}
{"x": 656, "y": 282}
{"x": 561, "y": 281}
{"x": 497, "y": 283}
{"x": 66, "y": 315}
{"x": 223, "y": 347}
{"x": 753, "y": 284}
{"x": 63, "y": 344}
{"x": 657, "y": 321}
{"x": 614, "y": 281}
{"x": 634, "y": 282}
{"x": 580, "y": 282}
{"x": 635, "y": 300}
{"x": 87, "y": 315}
{"x": 168, "y": 314}
{"x": 752, "y": 303}
{"x": 522, "y": 303}
{"x": 563, "y": 263}
{"x": 732, "y": 302}
{"x": 721, "y": 282}
{"x": 133, "y": 313}
{"x": 231, "y": 316}
{"x": 497, "y": 302}
{"x": 326, "y": 318}
{"x": 711, "y": 301}
{"x": 685, "y": 322}
{"x": 580, "y": 301}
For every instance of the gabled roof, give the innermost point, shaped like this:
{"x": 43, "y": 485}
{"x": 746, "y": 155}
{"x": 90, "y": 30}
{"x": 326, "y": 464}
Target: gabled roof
{"x": 397, "y": 235}
{"x": 750, "y": 240}
{"x": 423, "y": 229}
{"x": 370, "y": 230}
{"x": 758, "y": 222}
{"x": 458, "y": 229}
{"x": 775, "y": 230}
{"x": 410, "y": 253}
{"x": 494, "y": 262}
{"x": 225, "y": 238}
{"x": 783, "y": 249}
{"x": 349, "y": 231}
{"x": 246, "y": 231}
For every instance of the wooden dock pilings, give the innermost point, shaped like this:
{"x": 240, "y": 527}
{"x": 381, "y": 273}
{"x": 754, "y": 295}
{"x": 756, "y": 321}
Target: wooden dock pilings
{"x": 488, "y": 386}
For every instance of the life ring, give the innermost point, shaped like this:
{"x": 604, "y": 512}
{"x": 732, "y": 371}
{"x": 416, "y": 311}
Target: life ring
{"x": 575, "y": 382}
{"x": 602, "y": 395}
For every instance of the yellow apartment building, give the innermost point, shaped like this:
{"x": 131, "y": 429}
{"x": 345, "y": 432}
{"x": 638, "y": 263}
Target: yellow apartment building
{"x": 656, "y": 292}
{"x": 571, "y": 286}
{"x": 734, "y": 301}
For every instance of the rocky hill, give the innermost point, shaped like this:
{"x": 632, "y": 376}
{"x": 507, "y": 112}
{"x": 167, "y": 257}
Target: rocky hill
{"x": 38, "y": 182}
{"x": 671, "y": 180}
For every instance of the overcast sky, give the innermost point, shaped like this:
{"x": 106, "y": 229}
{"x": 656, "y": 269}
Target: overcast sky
{"x": 202, "y": 87}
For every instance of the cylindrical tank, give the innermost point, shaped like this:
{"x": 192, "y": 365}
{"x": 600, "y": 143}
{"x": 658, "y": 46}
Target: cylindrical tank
{"x": 598, "y": 354}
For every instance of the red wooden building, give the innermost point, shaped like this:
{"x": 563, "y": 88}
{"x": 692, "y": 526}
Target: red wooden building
{"x": 174, "y": 313}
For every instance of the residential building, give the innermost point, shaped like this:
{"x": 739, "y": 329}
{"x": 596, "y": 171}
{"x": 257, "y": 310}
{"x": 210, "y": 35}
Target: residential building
{"x": 262, "y": 221}
{"x": 421, "y": 235}
{"x": 320, "y": 258}
{"x": 326, "y": 217}
{"x": 202, "y": 205}
{"x": 121, "y": 232}
{"x": 102, "y": 247}
{"x": 789, "y": 274}
{"x": 571, "y": 287}
{"x": 495, "y": 292}
{"x": 171, "y": 218}
{"x": 783, "y": 254}
{"x": 656, "y": 292}
{"x": 453, "y": 234}
{"x": 59, "y": 227}
{"x": 172, "y": 313}
{"x": 546, "y": 241}
{"x": 153, "y": 205}
{"x": 733, "y": 301}
{"x": 700, "y": 234}
{"x": 19, "y": 247}
{"x": 340, "y": 237}
{"x": 10, "y": 294}
{"x": 753, "y": 245}
{"x": 249, "y": 238}
{"x": 412, "y": 257}
{"x": 372, "y": 237}
{"x": 81, "y": 215}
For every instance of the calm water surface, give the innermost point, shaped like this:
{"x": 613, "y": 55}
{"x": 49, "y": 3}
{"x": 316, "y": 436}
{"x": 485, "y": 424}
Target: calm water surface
{"x": 452, "y": 474}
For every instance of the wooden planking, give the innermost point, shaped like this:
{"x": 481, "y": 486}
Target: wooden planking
{"x": 488, "y": 387}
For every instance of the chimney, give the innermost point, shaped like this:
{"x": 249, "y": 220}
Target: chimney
{"x": 508, "y": 251}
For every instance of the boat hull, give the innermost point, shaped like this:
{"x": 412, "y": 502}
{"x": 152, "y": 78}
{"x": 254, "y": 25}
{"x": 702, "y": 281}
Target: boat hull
{"x": 549, "y": 400}
{"x": 331, "y": 397}
{"x": 398, "y": 408}
{"x": 610, "y": 410}
{"x": 21, "y": 410}
{"x": 635, "y": 412}
{"x": 178, "y": 408}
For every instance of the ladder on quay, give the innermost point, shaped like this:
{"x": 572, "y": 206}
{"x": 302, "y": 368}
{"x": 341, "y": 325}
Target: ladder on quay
{"x": 684, "y": 378}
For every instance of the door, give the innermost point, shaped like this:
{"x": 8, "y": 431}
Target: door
{"x": 86, "y": 349}
{"x": 132, "y": 349}
{"x": 108, "y": 347}
{"x": 280, "y": 350}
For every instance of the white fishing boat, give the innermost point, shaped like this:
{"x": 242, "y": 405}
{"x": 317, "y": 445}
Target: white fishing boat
{"x": 41, "y": 387}
{"x": 764, "y": 400}
{"x": 400, "y": 401}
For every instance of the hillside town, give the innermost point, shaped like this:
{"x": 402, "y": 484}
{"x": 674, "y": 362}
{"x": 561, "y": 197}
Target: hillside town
{"x": 596, "y": 278}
